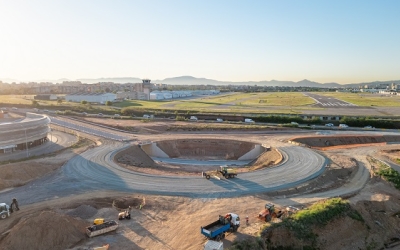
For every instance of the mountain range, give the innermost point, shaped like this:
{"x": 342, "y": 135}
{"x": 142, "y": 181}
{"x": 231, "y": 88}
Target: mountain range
{"x": 190, "y": 80}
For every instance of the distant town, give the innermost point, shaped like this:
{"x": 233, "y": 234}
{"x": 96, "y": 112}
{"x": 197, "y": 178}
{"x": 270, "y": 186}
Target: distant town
{"x": 146, "y": 90}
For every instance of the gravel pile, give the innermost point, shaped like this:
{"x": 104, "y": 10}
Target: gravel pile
{"x": 83, "y": 212}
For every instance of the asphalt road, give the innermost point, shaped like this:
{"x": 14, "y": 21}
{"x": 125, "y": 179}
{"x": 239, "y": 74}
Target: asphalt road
{"x": 329, "y": 102}
{"x": 57, "y": 141}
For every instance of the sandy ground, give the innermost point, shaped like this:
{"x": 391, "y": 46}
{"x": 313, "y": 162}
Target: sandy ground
{"x": 174, "y": 222}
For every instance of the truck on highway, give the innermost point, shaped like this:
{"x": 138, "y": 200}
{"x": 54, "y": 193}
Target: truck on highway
{"x": 216, "y": 230}
{"x": 102, "y": 228}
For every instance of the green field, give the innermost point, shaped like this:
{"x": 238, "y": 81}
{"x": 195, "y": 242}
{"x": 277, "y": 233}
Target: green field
{"x": 234, "y": 103}
{"x": 366, "y": 99}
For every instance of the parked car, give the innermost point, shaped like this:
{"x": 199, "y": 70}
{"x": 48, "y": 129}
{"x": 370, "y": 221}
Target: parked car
{"x": 369, "y": 127}
{"x": 248, "y": 120}
{"x": 14, "y": 108}
{"x": 117, "y": 115}
{"x": 146, "y": 116}
{"x": 329, "y": 125}
{"x": 193, "y": 118}
{"x": 219, "y": 120}
{"x": 84, "y": 113}
{"x": 294, "y": 123}
{"x": 343, "y": 126}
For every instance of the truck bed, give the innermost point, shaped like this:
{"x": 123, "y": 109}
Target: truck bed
{"x": 215, "y": 228}
{"x": 106, "y": 227}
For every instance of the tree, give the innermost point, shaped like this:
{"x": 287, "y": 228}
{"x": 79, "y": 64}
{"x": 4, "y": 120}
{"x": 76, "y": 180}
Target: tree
{"x": 83, "y": 102}
{"x": 59, "y": 101}
{"x": 35, "y": 103}
{"x": 109, "y": 103}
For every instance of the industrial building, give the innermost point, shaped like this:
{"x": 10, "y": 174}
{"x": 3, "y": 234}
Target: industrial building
{"x": 91, "y": 97}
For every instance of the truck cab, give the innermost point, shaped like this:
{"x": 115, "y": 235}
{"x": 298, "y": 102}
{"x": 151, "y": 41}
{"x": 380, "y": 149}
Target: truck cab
{"x": 4, "y": 211}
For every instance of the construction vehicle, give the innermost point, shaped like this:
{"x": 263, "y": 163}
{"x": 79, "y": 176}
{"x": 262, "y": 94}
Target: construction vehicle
{"x": 4, "y": 211}
{"x": 225, "y": 171}
{"x": 269, "y": 212}
{"x": 98, "y": 221}
{"x": 213, "y": 245}
{"x": 216, "y": 230}
{"x": 103, "y": 228}
{"x": 125, "y": 214}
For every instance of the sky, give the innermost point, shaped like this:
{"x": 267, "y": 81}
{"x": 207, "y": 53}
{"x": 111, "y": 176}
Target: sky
{"x": 325, "y": 41}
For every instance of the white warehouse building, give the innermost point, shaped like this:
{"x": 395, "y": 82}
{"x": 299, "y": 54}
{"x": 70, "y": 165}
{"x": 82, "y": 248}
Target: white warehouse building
{"x": 91, "y": 97}
{"x": 156, "y": 96}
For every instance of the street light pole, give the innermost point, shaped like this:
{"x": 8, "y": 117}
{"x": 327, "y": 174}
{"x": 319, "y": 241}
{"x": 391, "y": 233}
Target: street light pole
{"x": 26, "y": 144}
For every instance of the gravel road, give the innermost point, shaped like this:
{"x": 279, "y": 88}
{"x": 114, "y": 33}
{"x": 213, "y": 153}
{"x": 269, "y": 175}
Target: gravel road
{"x": 95, "y": 170}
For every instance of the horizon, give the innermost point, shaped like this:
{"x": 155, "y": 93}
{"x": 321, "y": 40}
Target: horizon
{"x": 54, "y": 81}
{"x": 230, "y": 41}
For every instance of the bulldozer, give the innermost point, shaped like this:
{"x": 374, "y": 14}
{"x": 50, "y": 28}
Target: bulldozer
{"x": 269, "y": 212}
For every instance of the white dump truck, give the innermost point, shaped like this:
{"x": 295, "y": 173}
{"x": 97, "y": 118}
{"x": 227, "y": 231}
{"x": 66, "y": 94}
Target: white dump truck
{"x": 103, "y": 228}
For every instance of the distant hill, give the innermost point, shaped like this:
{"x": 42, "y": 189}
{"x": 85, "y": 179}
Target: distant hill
{"x": 190, "y": 80}
{"x": 111, "y": 79}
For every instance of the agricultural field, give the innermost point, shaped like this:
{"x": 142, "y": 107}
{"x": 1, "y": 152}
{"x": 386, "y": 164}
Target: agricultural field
{"x": 366, "y": 99}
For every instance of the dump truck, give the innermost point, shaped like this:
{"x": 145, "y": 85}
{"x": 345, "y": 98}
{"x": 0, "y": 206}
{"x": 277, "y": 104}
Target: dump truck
{"x": 103, "y": 228}
{"x": 216, "y": 230}
{"x": 4, "y": 211}
{"x": 224, "y": 171}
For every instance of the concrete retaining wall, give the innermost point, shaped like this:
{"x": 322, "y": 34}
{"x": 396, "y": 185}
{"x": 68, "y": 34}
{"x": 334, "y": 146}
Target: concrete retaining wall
{"x": 153, "y": 150}
{"x": 252, "y": 154}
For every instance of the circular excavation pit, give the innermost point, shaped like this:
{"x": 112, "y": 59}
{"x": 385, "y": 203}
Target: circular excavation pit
{"x": 203, "y": 152}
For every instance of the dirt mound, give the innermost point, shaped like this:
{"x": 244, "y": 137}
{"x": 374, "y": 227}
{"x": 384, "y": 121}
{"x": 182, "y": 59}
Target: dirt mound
{"x": 83, "y": 212}
{"x": 331, "y": 141}
{"x": 267, "y": 159}
{"x": 135, "y": 156}
{"x": 43, "y": 232}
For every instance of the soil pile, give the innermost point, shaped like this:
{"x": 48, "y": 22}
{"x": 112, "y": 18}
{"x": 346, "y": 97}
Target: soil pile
{"x": 331, "y": 141}
{"x": 267, "y": 159}
{"x": 43, "y": 232}
{"x": 83, "y": 212}
{"x": 135, "y": 156}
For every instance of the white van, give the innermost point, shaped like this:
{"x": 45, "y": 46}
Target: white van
{"x": 220, "y": 120}
{"x": 343, "y": 126}
{"x": 146, "y": 116}
{"x": 248, "y": 120}
{"x": 193, "y": 118}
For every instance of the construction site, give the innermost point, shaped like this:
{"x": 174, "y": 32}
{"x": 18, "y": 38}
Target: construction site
{"x": 152, "y": 191}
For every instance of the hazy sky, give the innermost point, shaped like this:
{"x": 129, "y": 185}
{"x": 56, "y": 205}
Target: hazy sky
{"x": 327, "y": 41}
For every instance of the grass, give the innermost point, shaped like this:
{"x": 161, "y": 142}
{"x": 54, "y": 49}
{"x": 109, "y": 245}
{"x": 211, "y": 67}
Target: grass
{"x": 366, "y": 99}
{"x": 318, "y": 214}
{"x": 387, "y": 173}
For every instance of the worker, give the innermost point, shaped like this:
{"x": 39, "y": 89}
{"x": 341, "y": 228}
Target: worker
{"x": 247, "y": 220}
{"x": 14, "y": 204}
